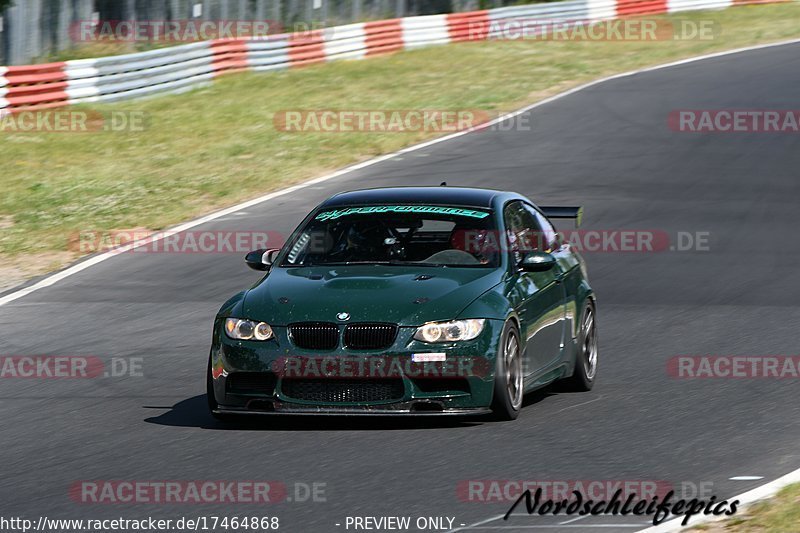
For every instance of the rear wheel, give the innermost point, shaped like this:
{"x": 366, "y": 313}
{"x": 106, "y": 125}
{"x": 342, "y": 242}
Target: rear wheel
{"x": 583, "y": 376}
{"x": 508, "y": 388}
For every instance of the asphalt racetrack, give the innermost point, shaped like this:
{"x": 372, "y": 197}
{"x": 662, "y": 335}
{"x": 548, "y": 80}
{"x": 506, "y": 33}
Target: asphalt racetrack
{"x": 608, "y": 148}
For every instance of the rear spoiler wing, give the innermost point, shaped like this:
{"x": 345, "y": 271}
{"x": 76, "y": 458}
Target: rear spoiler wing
{"x": 575, "y": 213}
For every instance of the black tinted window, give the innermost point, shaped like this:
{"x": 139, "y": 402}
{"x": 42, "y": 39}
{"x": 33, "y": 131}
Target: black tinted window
{"x": 423, "y": 235}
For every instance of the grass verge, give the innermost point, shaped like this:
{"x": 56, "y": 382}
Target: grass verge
{"x": 780, "y": 514}
{"x": 216, "y": 146}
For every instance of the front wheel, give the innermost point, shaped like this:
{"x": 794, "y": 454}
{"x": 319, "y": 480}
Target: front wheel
{"x": 583, "y": 376}
{"x": 508, "y": 388}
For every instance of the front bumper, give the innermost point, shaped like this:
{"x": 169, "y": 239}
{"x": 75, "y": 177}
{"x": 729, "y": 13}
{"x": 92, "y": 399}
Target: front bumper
{"x": 405, "y": 409}
{"x": 274, "y": 377}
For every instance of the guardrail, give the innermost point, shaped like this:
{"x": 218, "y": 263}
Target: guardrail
{"x": 186, "y": 66}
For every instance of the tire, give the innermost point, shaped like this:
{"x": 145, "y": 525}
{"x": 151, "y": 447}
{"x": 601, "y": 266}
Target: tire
{"x": 585, "y": 372}
{"x": 210, "y": 398}
{"x": 508, "y": 379}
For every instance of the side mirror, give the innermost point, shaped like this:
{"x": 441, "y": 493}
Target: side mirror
{"x": 261, "y": 259}
{"x": 537, "y": 262}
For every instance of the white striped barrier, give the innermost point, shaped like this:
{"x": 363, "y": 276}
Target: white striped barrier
{"x": 179, "y": 68}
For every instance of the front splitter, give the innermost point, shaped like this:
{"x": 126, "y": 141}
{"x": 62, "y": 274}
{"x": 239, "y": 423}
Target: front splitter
{"x": 337, "y": 411}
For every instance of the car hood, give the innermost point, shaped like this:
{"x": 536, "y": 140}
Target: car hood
{"x": 406, "y": 295}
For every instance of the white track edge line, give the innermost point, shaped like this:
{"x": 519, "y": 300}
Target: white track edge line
{"x": 83, "y": 265}
{"x": 762, "y": 492}
{"x": 759, "y": 493}
{"x": 476, "y": 524}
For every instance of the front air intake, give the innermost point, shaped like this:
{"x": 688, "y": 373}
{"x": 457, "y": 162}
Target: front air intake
{"x": 314, "y": 335}
{"x": 333, "y": 390}
{"x": 369, "y": 336}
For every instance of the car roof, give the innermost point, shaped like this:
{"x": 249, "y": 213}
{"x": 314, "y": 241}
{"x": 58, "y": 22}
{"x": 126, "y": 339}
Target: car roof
{"x": 443, "y": 195}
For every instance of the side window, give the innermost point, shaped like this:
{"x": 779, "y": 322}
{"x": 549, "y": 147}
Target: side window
{"x": 521, "y": 229}
{"x": 548, "y": 238}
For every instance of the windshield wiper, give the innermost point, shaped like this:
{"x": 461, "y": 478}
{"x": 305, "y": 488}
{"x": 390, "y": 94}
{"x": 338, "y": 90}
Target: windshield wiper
{"x": 393, "y": 262}
{"x": 441, "y": 265}
{"x": 347, "y": 263}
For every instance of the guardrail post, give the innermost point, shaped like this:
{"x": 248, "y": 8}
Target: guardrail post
{"x": 15, "y": 35}
{"x": 175, "y": 10}
{"x": 3, "y": 38}
{"x": 130, "y": 10}
{"x": 276, "y": 11}
{"x": 324, "y": 12}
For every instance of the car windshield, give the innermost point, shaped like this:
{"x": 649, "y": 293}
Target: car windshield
{"x": 424, "y": 235}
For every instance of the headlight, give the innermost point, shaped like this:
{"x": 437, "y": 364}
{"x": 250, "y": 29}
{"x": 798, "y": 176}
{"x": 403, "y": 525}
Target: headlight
{"x": 245, "y": 330}
{"x": 457, "y": 330}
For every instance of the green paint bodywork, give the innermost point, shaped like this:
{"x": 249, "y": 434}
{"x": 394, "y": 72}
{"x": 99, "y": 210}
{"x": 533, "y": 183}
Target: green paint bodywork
{"x": 545, "y": 305}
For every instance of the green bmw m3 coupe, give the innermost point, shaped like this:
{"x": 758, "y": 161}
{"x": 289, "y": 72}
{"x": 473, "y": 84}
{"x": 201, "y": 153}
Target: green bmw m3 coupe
{"x": 408, "y": 300}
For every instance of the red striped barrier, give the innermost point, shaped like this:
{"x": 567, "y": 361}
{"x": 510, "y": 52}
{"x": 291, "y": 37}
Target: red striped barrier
{"x": 45, "y": 101}
{"x": 383, "y": 36}
{"x": 33, "y": 74}
{"x": 35, "y": 107}
{"x": 306, "y": 48}
{"x": 41, "y": 89}
{"x": 472, "y": 26}
{"x": 229, "y": 56}
{"x": 640, "y": 7}
{"x": 35, "y": 86}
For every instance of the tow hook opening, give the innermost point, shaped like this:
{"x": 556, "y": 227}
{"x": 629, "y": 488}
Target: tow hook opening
{"x": 260, "y": 405}
{"x": 427, "y": 407}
